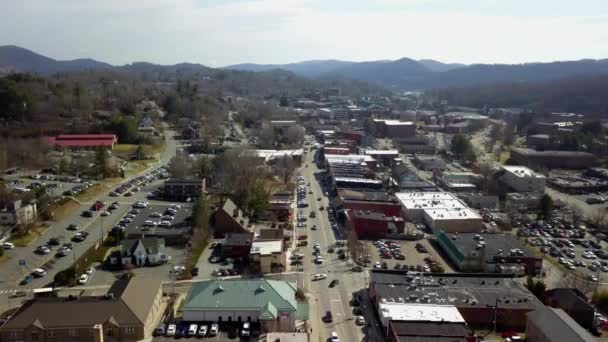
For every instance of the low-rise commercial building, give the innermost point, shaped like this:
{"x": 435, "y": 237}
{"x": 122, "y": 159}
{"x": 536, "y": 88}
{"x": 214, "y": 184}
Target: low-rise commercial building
{"x": 237, "y": 245}
{"x": 521, "y": 179}
{"x": 574, "y": 303}
{"x": 272, "y": 303}
{"x": 84, "y": 141}
{"x": 502, "y": 253}
{"x": 128, "y": 312}
{"x": 268, "y": 256}
{"x": 373, "y": 225}
{"x": 554, "y": 325}
{"x": 385, "y": 157}
{"x": 181, "y": 189}
{"x": 440, "y": 210}
{"x": 481, "y": 299}
{"x": 552, "y": 159}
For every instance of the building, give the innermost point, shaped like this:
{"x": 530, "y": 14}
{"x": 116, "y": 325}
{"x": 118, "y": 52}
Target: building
{"x": 272, "y": 303}
{"x": 229, "y": 219}
{"x": 552, "y": 159}
{"x": 502, "y": 253}
{"x": 128, "y": 312}
{"x": 279, "y": 206}
{"x": 429, "y": 332}
{"x": 141, "y": 252}
{"x": 554, "y": 325}
{"x": 237, "y": 245}
{"x": 361, "y": 159}
{"x": 419, "y": 144}
{"x": 538, "y": 141}
{"x": 440, "y": 210}
{"x": 271, "y": 156}
{"x": 480, "y": 200}
{"x": 373, "y": 225}
{"x": 522, "y": 201}
{"x": 574, "y": 303}
{"x": 429, "y": 162}
{"x": 394, "y": 128}
{"x": 84, "y": 141}
{"x": 17, "y": 213}
{"x": 384, "y": 157}
{"x": 268, "y": 256}
{"x": 181, "y": 189}
{"x": 480, "y": 298}
{"x": 422, "y": 322}
{"x": 521, "y": 179}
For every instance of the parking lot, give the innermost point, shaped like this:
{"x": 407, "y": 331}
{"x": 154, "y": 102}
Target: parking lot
{"x": 149, "y": 219}
{"x": 414, "y": 257}
{"x": 227, "y": 332}
{"x": 576, "y": 247}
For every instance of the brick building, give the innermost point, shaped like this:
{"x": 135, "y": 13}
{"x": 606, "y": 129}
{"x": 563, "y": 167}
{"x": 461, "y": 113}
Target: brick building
{"x": 181, "y": 189}
{"x": 373, "y": 225}
{"x": 229, "y": 219}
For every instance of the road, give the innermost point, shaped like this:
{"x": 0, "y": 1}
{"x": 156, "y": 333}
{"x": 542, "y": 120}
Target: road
{"x": 335, "y": 299}
{"x": 11, "y": 270}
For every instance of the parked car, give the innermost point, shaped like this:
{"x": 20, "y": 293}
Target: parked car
{"x": 84, "y": 278}
{"x": 202, "y": 331}
{"x": 160, "y": 330}
{"x": 171, "y": 329}
{"x": 8, "y": 245}
{"x": 214, "y": 329}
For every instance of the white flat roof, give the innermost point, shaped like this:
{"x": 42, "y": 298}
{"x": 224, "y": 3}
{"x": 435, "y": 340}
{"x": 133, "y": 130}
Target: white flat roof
{"x": 378, "y": 152}
{"x": 419, "y": 312}
{"x": 337, "y": 158}
{"x": 521, "y": 171}
{"x": 394, "y": 122}
{"x": 437, "y": 205}
{"x": 266, "y": 247}
{"x": 358, "y": 180}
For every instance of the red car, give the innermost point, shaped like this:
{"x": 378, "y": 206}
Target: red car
{"x": 400, "y": 257}
{"x": 386, "y": 256}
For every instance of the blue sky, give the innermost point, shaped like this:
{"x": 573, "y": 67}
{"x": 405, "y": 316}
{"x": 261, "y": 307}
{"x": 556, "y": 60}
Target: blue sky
{"x": 223, "y": 32}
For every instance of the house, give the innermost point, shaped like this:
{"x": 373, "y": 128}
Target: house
{"x": 272, "y": 303}
{"x": 128, "y": 312}
{"x": 140, "y": 252}
{"x": 229, "y": 219}
{"x": 17, "y": 213}
{"x": 554, "y": 325}
{"x": 268, "y": 256}
{"x": 184, "y": 188}
{"x": 574, "y": 303}
{"x": 236, "y": 245}
{"x": 84, "y": 141}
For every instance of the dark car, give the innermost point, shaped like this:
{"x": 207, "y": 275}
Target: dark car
{"x": 73, "y": 227}
{"x": 87, "y": 213}
{"x": 399, "y": 257}
{"x": 330, "y": 250}
{"x": 194, "y": 272}
{"x": 56, "y": 241}
{"x": 28, "y": 279}
{"x": 357, "y": 269}
{"x": 334, "y": 283}
{"x": 328, "y": 317}
{"x": 384, "y": 265}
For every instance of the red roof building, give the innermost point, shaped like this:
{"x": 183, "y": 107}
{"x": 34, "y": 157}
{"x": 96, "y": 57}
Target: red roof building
{"x": 84, "y": 141}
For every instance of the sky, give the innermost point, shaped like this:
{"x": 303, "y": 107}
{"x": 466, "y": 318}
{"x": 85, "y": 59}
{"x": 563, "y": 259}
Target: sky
{"x": 225, "y": 32}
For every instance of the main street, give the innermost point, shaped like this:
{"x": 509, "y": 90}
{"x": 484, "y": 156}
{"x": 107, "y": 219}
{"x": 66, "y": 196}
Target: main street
{"x": 22, "y": 260}
{"x": 334, "y": 299}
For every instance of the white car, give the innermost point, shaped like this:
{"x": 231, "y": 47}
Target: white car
{"x": 90, "y": 270}
{"x": 156, "y": 215}
{"x": 8, "y": 245}
{"x": 105, "y": 213}
{"x": 165, "y": 224}
{"x": 167, "y": 218}
{"x": 171, "y": 330}
{"x": 83, "y": 279}
{"x": 246, "y": 332}
{"x": 178, "y": 268}
{"x": 192, "y": 330}
{"x": 360, "y": 320}
{"x": 175, "y": 206}
{"x": 149, "y": 223}
{"x": 319, "y": 276}
{"x": 319, "y": 260}
{"x": 39, "y": 272}
{"x": 202, "y": 331}
{"x": 334, "y": 337}
{"x": 214, "y": 329}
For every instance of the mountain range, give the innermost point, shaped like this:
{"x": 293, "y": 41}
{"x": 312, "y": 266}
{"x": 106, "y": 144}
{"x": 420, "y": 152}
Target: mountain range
{"x": 401, "y": 74}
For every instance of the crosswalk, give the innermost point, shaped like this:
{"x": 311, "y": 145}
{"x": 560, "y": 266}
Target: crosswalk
{"x": 12, "y": 291}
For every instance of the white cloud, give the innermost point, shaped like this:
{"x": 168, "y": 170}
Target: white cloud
{"x": 279, "y": 31}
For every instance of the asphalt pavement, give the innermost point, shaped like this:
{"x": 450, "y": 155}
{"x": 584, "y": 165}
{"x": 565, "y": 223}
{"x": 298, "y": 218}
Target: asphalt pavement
{"x": 22, "y": 260}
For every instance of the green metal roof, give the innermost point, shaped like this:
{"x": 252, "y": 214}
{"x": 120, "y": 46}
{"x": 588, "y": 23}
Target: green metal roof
{"x": 267, "y": 296}
{"x": 303, "y": 312}
{"x": 269, "y": 312}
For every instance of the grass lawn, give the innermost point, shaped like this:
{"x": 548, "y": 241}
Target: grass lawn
{"x": 60, "y": 210}
{"x": 90, "y": 193}
{"x": 137, "y": 167}
{"x": 26, "y": 239}
{"x": 131, "y": 148}
{"x": 504, "y": 157}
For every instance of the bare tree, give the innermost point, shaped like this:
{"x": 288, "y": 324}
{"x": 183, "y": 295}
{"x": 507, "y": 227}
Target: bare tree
{"x": 180, "y": 166}
{"x": 268, "y": 137}
{"x": 295, "y": 135}
{"x": 285, "y": 167}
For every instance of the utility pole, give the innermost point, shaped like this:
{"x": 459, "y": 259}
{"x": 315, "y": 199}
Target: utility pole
{"x": 101, "y": 231}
